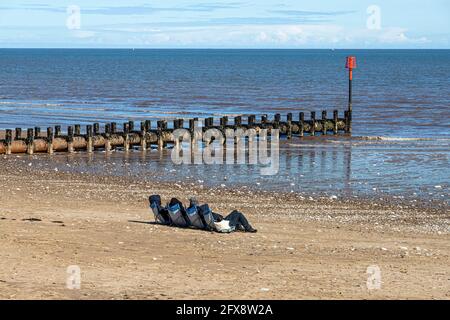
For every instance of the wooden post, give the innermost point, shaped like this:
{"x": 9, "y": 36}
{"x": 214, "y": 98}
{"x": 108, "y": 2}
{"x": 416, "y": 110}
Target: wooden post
{"x": 57, "y": 131}
{"x": 192, "y": 131}
{"x": 96, "y": 129}
{"x": 143, "y": 136}
{"x": 50, "y": 140}
{"x": 251, "y": 119}
{"x": 159, "y": 134}
{"x": 30, "y": 141}
{"x": 77, "y": 129}
{"x": 301, "y": 124}
{"x": 313, "y": 123}
{"x": 107, "y": 136}
{"x": 276, "y": 121}
{"x": 289, "y": 126}
{"x": 18, "y": 133}
{"x": 347, "y": 122}
{"x": 263, "y": 119}
{"x": 289, "y": 116}
{"x": 8, "y": 140}
{"x": 324, "y": 122}
{"x": 113, "y": 127}
{"x": 148, "y": 125}
{"x": 37, "y": 132}
{"x": 126, "y": 136}
{"x": 90, "y": 146}
{"x": 176, "y": 124}
{"x": 70, "y": 135}
{"x": 208, "y": 122}
{"x": 238, "y": 121}
{"x": 224, "y": 121}
{"x": 335, "y": 121}
{"x": 130, "y": 126}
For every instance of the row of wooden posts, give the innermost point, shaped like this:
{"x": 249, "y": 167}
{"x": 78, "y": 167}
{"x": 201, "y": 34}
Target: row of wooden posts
{"x": 93, "y": 139}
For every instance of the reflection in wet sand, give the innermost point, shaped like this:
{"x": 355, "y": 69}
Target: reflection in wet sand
{"x": 344, "y": 167}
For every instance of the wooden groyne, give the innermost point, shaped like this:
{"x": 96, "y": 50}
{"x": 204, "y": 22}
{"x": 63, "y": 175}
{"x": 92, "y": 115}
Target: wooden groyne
{"x": 73, "y": 139}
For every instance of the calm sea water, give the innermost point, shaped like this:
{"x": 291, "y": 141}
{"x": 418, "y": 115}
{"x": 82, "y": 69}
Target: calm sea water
{"x": 401, "y": 95}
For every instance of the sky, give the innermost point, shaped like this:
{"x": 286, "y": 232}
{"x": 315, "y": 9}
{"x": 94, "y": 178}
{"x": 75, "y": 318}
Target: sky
{"x": 382, "y": 24}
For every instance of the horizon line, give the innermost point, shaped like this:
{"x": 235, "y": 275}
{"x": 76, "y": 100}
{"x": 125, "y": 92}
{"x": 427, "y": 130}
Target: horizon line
{"x": 211, "y": 48}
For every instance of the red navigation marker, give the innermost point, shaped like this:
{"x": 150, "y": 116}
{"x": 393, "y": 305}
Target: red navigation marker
{"x": 350, "y": 65}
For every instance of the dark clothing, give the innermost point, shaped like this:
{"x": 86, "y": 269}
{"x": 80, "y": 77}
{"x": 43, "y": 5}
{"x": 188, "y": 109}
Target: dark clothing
{"x": 217, "y": 217}
{"x": 238, "y": 220}
{"x": 175, "y": 201}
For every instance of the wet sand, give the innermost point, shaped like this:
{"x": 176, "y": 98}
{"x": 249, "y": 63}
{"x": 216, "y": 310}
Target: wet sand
{"x": 305, "y": 249}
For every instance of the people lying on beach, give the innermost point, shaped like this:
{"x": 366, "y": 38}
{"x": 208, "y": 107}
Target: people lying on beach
{"x": 197, "y": 216}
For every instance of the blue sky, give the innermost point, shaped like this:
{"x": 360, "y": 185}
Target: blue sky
{"x": 225, "y": 24}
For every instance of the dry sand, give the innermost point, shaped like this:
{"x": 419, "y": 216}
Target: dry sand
{"x": 303, "y": 250}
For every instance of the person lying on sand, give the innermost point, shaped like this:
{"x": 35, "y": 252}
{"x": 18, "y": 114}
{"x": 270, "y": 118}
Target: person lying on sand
{"x": 197, "y": 216}
{"x": 235, "y": 221}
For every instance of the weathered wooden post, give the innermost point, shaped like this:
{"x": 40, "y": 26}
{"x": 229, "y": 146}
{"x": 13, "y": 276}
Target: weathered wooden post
{"x": 301, "y": 124}
{"x": 324, "y": 122}
{"x": 77, "y": 130}
{"x": 107, "y": 137}
{"x": 209, "y": 122}
{"x": 130, "y": 126}
{"x": 50, "y": 140}
{"x": 251, "y": 119}
{"x": 57, "y": 131}
{"x": 89, "y": 134}
{"x": 70, "y": 135}
{"x": 96, "y": 129}
{"x": 148, "y": 125}
{"x": 143, "y": 136}
{"x": 192, "y": 130}
{"x": 289, "y": 125}
{"x": 350, "y": 65}
{"x": 264, "y": 119}
{"x": 18, "y": 134}
{"x": 37, "y": 132}
{"x": 313, "y": 123}
{"x": 335, "y": 121}
{"x": 113, "y": 127}
{"x": 126, "y": 136}
{"x": 237, "y": 121}
{"x": 160, "y": 128}
{"x": 237, "y": 125}
{"x": 276, "y": 121}
{"x": 224, "y": 121}
{"x": 8, "y": 140}
{"x": 347, "y": 122}
{"x": 30, "y": 141}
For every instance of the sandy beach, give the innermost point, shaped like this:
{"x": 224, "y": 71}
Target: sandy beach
{"x": 304, "y": 249}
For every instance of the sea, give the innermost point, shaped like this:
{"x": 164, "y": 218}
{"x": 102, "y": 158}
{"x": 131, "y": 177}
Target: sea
{"x": 400, "y": 144}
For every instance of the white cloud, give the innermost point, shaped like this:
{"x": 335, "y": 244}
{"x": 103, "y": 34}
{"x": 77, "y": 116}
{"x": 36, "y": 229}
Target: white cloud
{"x": 81, "y": 34}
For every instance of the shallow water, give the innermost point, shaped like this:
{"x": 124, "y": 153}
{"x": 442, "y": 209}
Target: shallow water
{"x": 336, "y": 167}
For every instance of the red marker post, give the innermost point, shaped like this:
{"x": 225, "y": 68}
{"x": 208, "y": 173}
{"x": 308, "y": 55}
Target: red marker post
{"x": 350, "y": 65}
